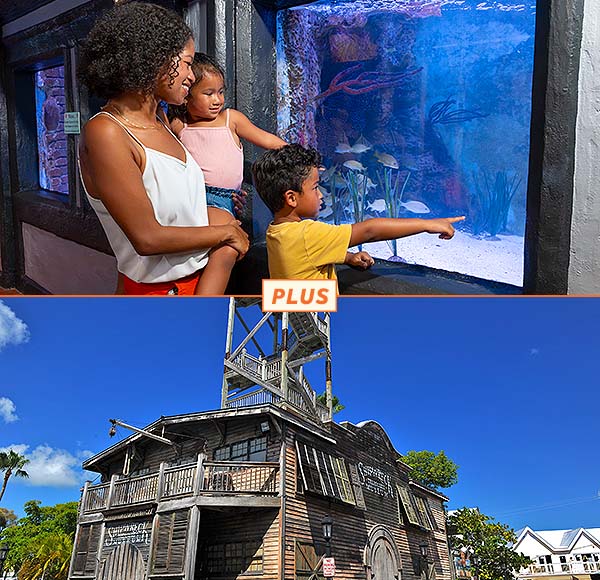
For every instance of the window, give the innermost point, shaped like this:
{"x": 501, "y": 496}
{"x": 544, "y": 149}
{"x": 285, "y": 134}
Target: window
{"x": 323, "y": 473}
{"x": 51, "y": 139}
{"x": 248, "y": 450}
{"x": 415, "y": 507}
{"x": 234, "y": 558}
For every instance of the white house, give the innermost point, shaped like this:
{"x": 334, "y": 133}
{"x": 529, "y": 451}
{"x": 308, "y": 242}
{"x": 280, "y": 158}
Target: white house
{"x": 560, "y": 553}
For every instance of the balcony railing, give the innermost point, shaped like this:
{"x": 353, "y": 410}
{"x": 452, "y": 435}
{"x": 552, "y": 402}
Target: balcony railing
{"x": 203, "y": 477}
{"x": 558, "y": 568}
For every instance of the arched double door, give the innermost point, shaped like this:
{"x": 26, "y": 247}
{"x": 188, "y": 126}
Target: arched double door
{"x": 382, "y": 558}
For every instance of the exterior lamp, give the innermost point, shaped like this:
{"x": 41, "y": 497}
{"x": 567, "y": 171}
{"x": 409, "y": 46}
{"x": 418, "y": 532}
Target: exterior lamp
{"x": 327, "y": 526}
{"x": 423, "y": 560}
{"x": 3, "y": 554}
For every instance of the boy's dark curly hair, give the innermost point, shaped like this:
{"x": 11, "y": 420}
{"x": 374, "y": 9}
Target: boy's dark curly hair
{"x": 130, "y": 48}
{"x": 202, "y": 65}
{"x": 280, "y": 170}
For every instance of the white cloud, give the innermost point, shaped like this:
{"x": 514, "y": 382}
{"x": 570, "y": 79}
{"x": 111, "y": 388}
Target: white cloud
{"x": 7, "y": 410}
{"x": 12, "y": 329}
{"x": 534, "y": 351}
{"x": 51, "y": 467}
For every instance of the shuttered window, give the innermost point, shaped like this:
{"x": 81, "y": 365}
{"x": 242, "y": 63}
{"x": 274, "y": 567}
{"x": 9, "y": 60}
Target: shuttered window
{"x": 424, "y": 512}
{"x": 323, "y": 473}
{"x": 86, "y": 550}
{"x": 405, "y": 496}
{"x": 415, "y": 507}
{"x": 170, "y": 537}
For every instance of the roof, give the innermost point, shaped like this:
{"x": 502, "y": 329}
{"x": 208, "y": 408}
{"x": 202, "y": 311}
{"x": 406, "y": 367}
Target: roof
{"x": 560, "y": 540}
{"x": 267, "y": 409}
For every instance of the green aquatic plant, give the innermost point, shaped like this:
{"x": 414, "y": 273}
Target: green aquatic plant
{"x": 356, "y": 184}
{"x": 390, "y": 183}
{"x": 494, "y": 195}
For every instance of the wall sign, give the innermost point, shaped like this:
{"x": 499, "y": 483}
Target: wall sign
{"x": 72, "y": 123}
{"x": 375, "y": 480}
{"x": 137, "y": 533}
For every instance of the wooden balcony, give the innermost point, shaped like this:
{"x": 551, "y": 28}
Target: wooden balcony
{"x": 589, "y": 566}
{"x": 201, "y": 482}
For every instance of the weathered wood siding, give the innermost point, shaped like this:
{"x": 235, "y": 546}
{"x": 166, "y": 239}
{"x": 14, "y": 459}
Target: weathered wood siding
{"x": 370, "y": 451}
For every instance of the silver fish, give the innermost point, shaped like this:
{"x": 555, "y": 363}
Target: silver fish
{"x": 387, "y": 160}
{"x": 343, "y": 148}
{"x": 354, "y": 165}
{"x": 359, "y": 148}
{"x": 415, "y": 206}
{"x": 378, "y": 206}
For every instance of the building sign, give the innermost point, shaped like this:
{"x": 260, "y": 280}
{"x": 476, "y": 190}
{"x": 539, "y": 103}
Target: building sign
{"x": 71, "y": 122}
{"x": 329, "y": 567}
{"x": 375, "y": 480}
{"x": 137, "y": 533}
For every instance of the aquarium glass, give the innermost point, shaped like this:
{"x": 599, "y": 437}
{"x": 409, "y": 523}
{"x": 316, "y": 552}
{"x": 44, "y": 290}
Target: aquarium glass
{"x": 421, "y": 109}
{"x": 52, "y": 142}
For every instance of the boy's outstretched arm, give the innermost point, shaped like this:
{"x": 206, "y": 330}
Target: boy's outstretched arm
{"x": 379, "y": 229}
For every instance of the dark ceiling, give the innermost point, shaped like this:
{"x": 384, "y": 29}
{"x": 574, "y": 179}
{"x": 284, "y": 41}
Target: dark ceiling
{"x": 13, "y": 9}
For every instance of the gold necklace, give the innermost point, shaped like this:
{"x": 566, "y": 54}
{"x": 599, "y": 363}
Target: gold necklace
{"x": 120, "y": 113}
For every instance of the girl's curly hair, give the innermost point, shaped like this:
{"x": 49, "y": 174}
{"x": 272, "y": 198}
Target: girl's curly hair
{"x": 130, "y": 48}
{"x": 202, "y": 65}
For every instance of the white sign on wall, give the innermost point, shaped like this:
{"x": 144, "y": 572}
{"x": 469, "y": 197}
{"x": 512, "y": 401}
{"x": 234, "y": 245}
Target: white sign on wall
{"x": 329, "y": 567}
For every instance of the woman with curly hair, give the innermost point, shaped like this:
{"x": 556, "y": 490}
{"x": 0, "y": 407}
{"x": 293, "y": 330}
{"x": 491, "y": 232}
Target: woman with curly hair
{"x": 147, "y": 190}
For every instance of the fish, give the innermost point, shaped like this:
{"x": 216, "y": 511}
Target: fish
{"x": 378, "y": 206}
{"x": 360, "y": 179}
{"x": 387, "y": 160}
{"x": 359, "y": 148}
{"x": 354, "y": 165}
{"x": 415, "y": 206}
{"x": 343, "y": 148}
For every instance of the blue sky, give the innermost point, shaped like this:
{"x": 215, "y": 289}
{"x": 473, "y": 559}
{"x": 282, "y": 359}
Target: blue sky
{"x": 507, "y": 387}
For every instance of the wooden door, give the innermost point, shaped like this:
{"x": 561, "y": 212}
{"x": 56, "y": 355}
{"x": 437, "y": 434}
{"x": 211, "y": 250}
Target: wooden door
{"x": 384, "y": 565}
{"x": 125, "y": 562}
{"x": 309, "y": 565}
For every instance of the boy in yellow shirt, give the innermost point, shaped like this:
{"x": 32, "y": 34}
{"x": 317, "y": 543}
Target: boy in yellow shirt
{"x": 287, "y": 180}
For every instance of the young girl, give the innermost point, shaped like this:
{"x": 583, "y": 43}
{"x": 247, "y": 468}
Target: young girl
{"x": 212, "y": 135}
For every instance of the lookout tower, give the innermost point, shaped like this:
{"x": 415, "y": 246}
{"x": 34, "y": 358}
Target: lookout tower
{"x": 267, "y": 366}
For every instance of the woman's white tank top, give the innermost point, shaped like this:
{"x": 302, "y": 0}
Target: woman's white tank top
{"x": 177, "y": 193}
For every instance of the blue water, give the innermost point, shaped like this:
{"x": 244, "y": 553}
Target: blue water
{"x": 420, "y": 109}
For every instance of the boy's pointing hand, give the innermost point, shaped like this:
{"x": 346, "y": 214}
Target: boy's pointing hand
{"x": 443, "y": 226}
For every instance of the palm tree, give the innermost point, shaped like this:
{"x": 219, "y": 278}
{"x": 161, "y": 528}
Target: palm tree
{"x": 12, "y": 463}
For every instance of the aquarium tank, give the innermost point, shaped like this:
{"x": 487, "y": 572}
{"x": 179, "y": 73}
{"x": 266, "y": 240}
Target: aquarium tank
{"x": 420, "y": 108}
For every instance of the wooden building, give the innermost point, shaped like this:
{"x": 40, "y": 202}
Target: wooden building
{"x": 243, "y": 490}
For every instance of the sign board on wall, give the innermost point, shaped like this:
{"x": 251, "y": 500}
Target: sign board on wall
{"x": 72, "y": 123}
{"x": 137, "y": 533}
{"x": 329, "y": 567}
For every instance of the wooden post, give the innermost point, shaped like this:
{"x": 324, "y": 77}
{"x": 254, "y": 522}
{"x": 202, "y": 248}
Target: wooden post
{"x": 111, "y": 490}
{"x": 328, "y": 387}
{"x": 228, "y": 345}
{"x": 84, "y": 493}
{"x": 284, "y": 355}
{"x": 161, "y": 481}
{"x": 189, "y": 566}
{"x": 199, "y": 481}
